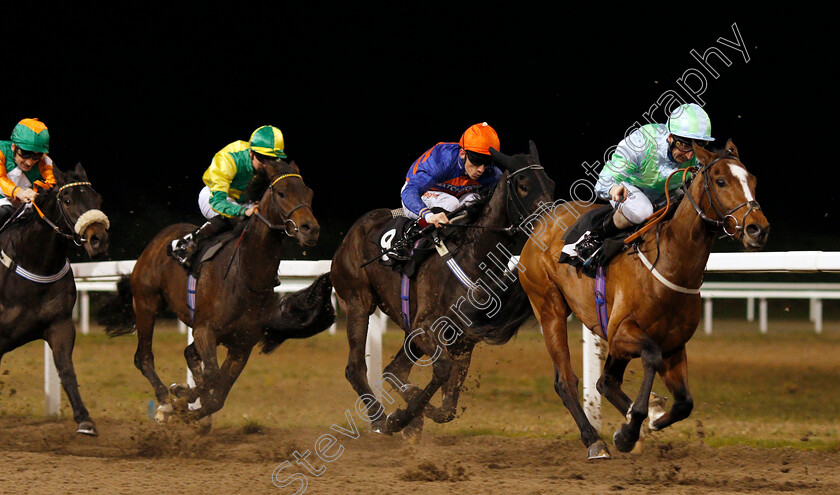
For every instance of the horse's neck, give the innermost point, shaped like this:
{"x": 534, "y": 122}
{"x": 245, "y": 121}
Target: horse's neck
{"x": 493, "y": 217}
{"x": 685, "y": 243}
{"x": 260, "y": 251}
{"x": 37, "y": 247}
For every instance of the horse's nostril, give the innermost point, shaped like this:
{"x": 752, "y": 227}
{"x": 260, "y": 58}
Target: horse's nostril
{"x": 754, "y": 230}
{"x": 306, "y": 227}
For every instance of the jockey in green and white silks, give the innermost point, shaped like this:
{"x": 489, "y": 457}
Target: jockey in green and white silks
{"x": 634, "y": 177}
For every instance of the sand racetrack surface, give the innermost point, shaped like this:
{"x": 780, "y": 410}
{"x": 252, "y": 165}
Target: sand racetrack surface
{"x": 766, "y": 420}
{"x": 41, "y": 456}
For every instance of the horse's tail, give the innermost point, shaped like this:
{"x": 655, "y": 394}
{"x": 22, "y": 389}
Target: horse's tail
{"x": 117, "y": 313}
{"x": 300, "y": 315}
{"x": 499, "y": 329}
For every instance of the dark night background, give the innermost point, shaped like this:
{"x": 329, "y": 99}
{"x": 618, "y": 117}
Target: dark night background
{"x": 144, "y": 99}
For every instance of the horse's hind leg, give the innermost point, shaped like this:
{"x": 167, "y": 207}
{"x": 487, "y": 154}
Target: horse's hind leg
{"x": 626, "y": 436}
{"x": 673, "y": 373}
{"x": 61, "y": 337}
{"x": 144, "y": 359}
{"x": 552, "y": 315}
{"x": 356, "y": 371}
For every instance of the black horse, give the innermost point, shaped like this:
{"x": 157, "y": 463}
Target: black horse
{"x": 447, "y": 339}
{"x": 37, "y": 291}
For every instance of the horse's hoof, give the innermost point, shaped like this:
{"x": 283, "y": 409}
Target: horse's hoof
{"x": 380, "y": 426}
{"x": 162, "y": 413}
{"x": 656, "y": 409}
{"x": 599, "y": 450}
{"x": 394, "y": 422}
{"x": 204, "y": 425}
{"x": 638, "y": 447}
{"x": 87, "y": 428}
{"x": 622, "y": 443}
{"x": 414, "y": 430}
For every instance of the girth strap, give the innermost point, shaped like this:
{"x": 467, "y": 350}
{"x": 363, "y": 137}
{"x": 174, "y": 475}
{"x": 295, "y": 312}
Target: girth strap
{"x": 33, "y": 277}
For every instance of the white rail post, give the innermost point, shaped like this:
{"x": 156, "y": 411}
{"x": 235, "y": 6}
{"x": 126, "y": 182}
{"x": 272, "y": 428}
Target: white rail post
{"x": 182, "y": 329}
{"x": 85, "y": 311}
{"x": 818, "y": 316}
{"x": 762, "y": 315}
{"x": 707, "y": 316}
{"x": 750, "y": 309}
{"x": 334, "y": 326}
{"x": 52, "y": 384}
{"x": 373, "y": 347}
{"x": 592, "y": 359}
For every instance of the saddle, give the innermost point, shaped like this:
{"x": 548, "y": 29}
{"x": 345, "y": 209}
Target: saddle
{"x": 615, "y": 244}
{"x": 611, "y": 246}
{"x": 402, "y": 243}
{"x": 208, "y": 248}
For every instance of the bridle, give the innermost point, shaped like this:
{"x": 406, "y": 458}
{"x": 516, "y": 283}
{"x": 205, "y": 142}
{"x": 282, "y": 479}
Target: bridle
{"x": 516, "y": 206}
{"x": 289, "y": 227}
{"x": 716, "y": 203}
{"x": 76, "y": 236}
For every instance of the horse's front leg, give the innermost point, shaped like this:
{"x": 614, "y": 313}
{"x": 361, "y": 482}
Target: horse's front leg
{"x": 451, "y": 390}
{"x": 61, "y": 336}
{"x": 183, "y": 390}
{"x": 674, "y": 374}
{"x": 215, "y": 398}
{"x": 609, "y": 385}
{"x": 210, "y": 375}
{"x": 627, "y": 436}
{"x": 441, "y": 369}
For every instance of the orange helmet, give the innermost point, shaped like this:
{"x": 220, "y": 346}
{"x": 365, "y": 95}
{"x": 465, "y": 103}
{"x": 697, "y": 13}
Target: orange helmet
{"x": 480, "y": 138}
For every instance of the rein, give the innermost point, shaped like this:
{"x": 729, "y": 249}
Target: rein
{"x": 76, "y": 237}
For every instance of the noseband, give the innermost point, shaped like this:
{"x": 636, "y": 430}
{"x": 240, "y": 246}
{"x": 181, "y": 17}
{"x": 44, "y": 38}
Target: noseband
{"x": 286, "y": 216}
{"x": 716, "y": 203}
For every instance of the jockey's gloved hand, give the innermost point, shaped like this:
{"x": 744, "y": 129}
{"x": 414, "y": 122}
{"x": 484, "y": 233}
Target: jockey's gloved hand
{"x": 437, "y": 219}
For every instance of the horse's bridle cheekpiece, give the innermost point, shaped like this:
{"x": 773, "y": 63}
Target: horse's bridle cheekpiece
{"x": 286, "y": 215}
{"x": 715, "y": 201}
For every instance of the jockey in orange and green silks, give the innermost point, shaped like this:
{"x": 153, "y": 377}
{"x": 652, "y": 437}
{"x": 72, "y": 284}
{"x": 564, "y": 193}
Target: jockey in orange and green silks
{"x": 230, "y": 172}
{"x": 23, "y": 160}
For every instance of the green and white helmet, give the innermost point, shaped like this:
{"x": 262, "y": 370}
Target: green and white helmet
{"x": 690, "y": 121}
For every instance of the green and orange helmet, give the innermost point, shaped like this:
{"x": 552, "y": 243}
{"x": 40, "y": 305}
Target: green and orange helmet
{"x": 268, "y": 141}
{"x": 31, "y": 135}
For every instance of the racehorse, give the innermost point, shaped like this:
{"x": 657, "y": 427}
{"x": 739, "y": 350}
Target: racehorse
{"x": 234, "y": 295}
{"x": 361, "y": 288}
{"x": 37, "y": 290}
{"x": 653, "y": 308}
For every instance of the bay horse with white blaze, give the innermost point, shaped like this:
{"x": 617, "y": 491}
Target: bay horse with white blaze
{"x": 652, "y": 310}
{"x": 234, "y": 295}
{"x": 363, "y": 287}
{"x": 37, "y": 290}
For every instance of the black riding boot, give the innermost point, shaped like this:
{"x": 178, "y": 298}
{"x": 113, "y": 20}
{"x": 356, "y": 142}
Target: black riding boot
{"x": 184, "y": 247}
{"x": 589, "y": 244}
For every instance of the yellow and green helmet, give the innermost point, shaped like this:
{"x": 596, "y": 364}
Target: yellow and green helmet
{"x": 31, "y": 135}
{"x": 268, "y": 141}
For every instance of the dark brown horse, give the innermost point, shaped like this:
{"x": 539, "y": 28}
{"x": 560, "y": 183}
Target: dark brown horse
{"x": 234, "y": 298}
{"x": 447, "y": 339}
{"x": 37, "y": 291}
{"x": 652, "y": 313}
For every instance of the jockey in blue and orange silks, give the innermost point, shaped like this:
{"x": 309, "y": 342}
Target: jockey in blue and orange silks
{"x": 449, "y": 175}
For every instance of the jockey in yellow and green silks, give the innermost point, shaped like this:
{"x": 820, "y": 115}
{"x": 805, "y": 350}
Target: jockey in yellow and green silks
{"x": 230, "y": 172}
{"x": 23, "y": 160}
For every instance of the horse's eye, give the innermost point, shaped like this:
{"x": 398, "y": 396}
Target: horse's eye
{"x": 523, "y": 188}
{"x": 280, "y": 194}
{"x": 67, "y": 201}
{"x": 720, "y": 182}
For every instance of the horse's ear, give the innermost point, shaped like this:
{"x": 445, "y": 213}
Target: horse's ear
{"x": 532, "y": 150}
{"x": 501, "y": 159}
{"x": 732, "y": 149}
{"x": 294, "y": 167}
{"x": 80, "y": 170}
{"x": 703, "y": 155}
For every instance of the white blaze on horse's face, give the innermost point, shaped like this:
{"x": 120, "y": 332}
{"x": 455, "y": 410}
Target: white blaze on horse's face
{"x": 741, "y": 174}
